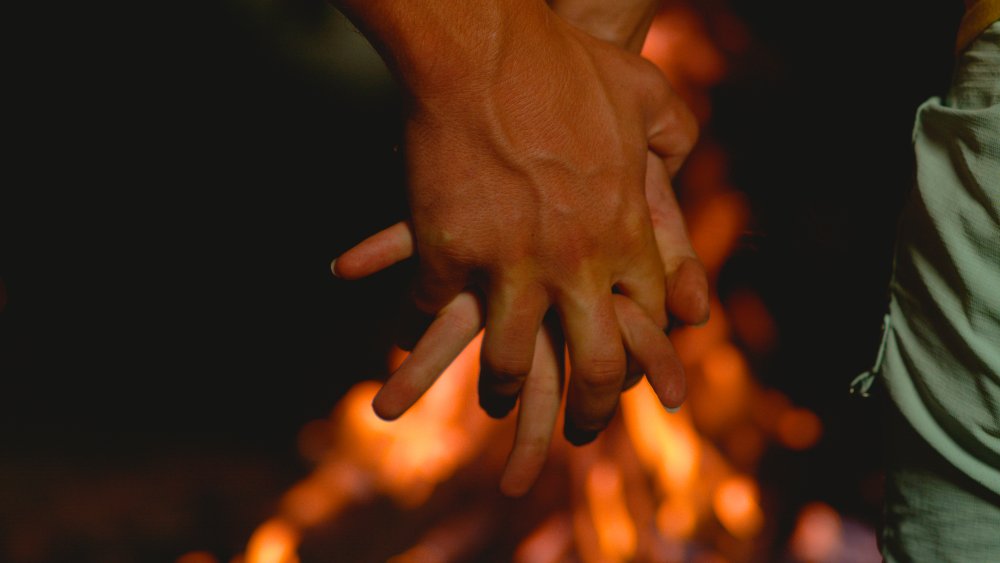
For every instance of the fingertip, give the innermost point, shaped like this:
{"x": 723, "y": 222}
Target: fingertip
{"x": 667, "y": 378}
{"x": 496, "y": 406}
{"x": 688, "y": 299}
{"x": 384, "y": 409}
{"x": 579, "y": 437}
{"x": 351, "y": 266}
{"x": 515, "y": 485}
{"x": 673, "y": 392}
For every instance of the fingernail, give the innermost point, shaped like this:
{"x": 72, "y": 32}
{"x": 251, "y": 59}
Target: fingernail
{"x": 579, "y": 437}
{"x": 672, "y": 410}
{"x": 497, "y": 406}
{"x": 333, "y": 268}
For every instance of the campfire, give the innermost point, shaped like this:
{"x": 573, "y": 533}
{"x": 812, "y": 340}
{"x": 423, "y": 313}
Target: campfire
{"x": 656, "y": 486}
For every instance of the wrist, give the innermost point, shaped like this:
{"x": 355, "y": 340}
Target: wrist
{"x": 444, "y": 46}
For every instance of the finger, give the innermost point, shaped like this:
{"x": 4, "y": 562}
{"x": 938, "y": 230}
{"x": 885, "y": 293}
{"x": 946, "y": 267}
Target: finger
{"x": 652, "y": 350}
{"x": 672, "y": 130}
{"x": 597, "y": 361}
{"x": 687, "y": 292}
{"x": 411, "y": 325}
{"x": 536, "y": 417}
{"x": 512, "y": 320}
{"x": 633, "y": 376}
{"x": 687, "y": 284}
{"x": 455, "y": 326}
{"x": 645, "y": 283}
{"x": 436, "y": 286}
{"x": 375, "y": 253}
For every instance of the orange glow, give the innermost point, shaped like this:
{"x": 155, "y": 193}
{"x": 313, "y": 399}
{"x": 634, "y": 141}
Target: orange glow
{"x": 197, "y": 557}
{"x": 723, "y": 398}
{"x": 616, "y": 533}
{"x": 679, "y": 45}
{"x": 717, "y": 226}
{"x": 818, "y": 533}
{"x": 666, "y": 443}
{"x": 768, "y": 407}
{"x": 314, "y": 440}
{"x": 799, "y": 429}
{"x": 453, "y": 539}
{"x": 745, "y": 445}
{"x": 419, "y": 554}
{"x": 548, "y": 543}
{"x": 396, "y": 358}
{"x": 274, "y": 541}
{"x": 323, "y": 495}
{"x": 737, "y": 507}
{"x": 642, "y": 497}
{"x": 693, "y": 344}
{"x": 725, "y": 369}
{"x": 677, "y": 520}
{"x": 437, "y": 435}
{"x": 752, "y": 321}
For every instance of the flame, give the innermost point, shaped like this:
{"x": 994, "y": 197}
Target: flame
{"x": 616, "y": 533}
{"x": 677, "y": 518}
{"x": 667, "y": 444}
{"x": 752, "y": 321}
{"x": 325, "y": 493}
{"x": 727, "y": 378}
{"x": 716, "y": 227}
{"x": 648, "y": 486}
{"x": 274, "y": 541}
{"x": 548, "y": 543}
{"x": 409, "y": 457}
{"x": 799, "y": 429}
{"x": 679, "y": 45}
{"x": 453, "y": 540}
{"x": 669, "y": 449}
{"x": 197, "y": 557}
{"x": 737, "y": 507}
{"x": 818, "y": 533}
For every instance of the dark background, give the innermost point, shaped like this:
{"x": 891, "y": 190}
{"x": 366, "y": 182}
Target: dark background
{"x": 179, "y": 178}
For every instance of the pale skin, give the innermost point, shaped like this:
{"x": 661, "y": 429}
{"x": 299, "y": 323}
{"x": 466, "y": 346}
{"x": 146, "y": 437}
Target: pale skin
{"x": 539, "y": 163}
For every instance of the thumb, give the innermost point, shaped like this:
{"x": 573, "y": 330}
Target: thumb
{"x": 671, "y": 128}
{"x": 687, "y": 284}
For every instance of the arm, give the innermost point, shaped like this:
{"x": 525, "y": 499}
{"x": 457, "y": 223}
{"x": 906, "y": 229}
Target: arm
{"x": 433, "y": 45}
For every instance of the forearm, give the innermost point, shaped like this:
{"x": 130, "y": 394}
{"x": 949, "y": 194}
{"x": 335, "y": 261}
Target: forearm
{"x": 433, "y": 44}
{"x": 622, "y": 22}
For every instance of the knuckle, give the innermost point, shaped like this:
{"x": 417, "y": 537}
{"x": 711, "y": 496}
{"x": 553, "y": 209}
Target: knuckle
{"x": 603, "y": 373}
{"x": 425, "y": 303}
{"x": 634, "y": 229}
{"x": 686, "y": 125}
{"x": 507, "y": 368}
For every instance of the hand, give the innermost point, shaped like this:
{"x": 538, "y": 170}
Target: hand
{"x": 528, "y": 184}
{"x": 458, "y": 322}
{"x": 547, "y": 214}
